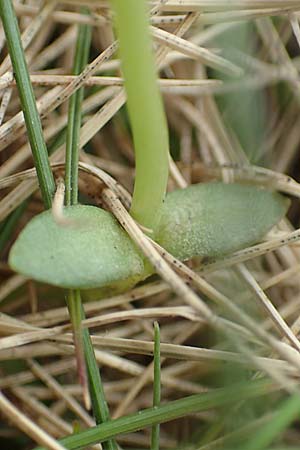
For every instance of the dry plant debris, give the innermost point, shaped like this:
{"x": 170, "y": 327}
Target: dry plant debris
{"x": 229, "y": 74}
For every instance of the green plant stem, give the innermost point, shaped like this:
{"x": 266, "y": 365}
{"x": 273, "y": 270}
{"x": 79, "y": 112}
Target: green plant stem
{"x": 167, "y": 412}
{"x": 28, "y": 103}
{"x": 84, "y": 348}
{"x": 74, "y": 117}
{"x": 71, "y": 194}
{"x": 99, "y": 404}
{"x": 74, "y": 306}
{"x": 86, "y": 360}
{"x": 156, "y": 386}
{"x": 147, "y": 117}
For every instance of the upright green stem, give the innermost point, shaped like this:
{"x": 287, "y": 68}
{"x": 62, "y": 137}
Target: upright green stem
{"x": 147, "y": 117}
{"x": 99, "y": 404}
{"x": 74, "y": 306}
{"x": 86, "y": 360}
{"x": 74, "y": 117}
{"x": 28, "y": 103}
{"x": 71, "y": 194}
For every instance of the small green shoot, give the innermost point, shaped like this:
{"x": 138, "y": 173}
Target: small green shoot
{"x": 204, "y": 221}
{"x": 193, "y": 222}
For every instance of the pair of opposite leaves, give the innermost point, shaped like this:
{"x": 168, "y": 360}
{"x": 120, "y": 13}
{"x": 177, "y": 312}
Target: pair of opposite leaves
{"x": 204, "y": 220}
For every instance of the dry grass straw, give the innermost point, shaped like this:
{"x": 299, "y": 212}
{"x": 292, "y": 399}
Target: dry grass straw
{"x": 190, "y": 301}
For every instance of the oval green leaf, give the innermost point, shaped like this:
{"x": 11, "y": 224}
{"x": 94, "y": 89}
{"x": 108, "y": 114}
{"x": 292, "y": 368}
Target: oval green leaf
{"x": 214, "y": 219}
{"x": 206, "y": 220}
{"x": 91, "y": 251}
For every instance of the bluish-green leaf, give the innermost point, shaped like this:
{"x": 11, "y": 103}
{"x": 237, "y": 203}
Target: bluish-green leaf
{"x": 92, "y": 251}
{"x": 214, "y": 219}
{"x": 207, "y": 220}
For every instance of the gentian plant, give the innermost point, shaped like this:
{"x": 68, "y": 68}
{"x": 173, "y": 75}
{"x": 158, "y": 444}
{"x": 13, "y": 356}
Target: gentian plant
{"x": 205, "y": 220}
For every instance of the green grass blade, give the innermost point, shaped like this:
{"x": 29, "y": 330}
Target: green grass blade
{"x": 74, "y": 117}
{"x": 145, "y": 109}
{"x": 286, "y": 414}
{"x": 74, "y": 307}
{"x": 167, "y": 412}
{"x": 156, "y": 386}
{"x": 31, "y": 116}
{"x": 99, "y": 405}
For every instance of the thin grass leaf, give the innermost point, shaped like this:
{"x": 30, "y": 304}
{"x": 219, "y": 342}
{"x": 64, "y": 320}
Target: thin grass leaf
{"x": 74, "y": 307}
{"x": 71, "y": 195}
{"x": 31, "y": 116}
{"x": 87, "y": 364}
{"x": 165, "y": 413}
{"x": 99, "y": 404}
{"x": 156, "y": 386}
{"x": 74, "y": 117}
